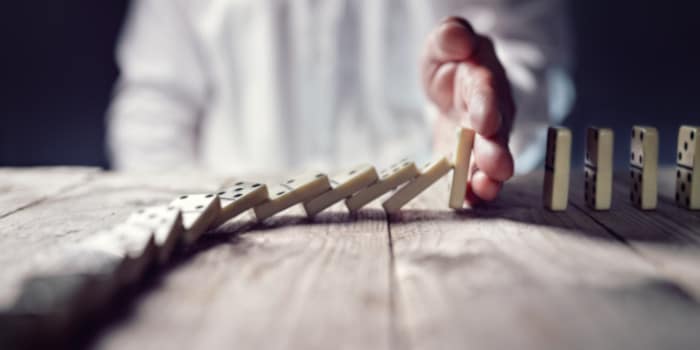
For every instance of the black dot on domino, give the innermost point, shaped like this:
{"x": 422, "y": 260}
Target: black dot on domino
{"x": 199, "y": 207}
{"x": 209, "y": 195}
{"x": 240, "y": 183}
{"x": 255, "y": 185}
{"x": 183, "y": 197}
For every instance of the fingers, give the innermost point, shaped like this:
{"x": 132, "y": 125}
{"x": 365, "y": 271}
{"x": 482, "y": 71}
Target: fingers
{"x": 483, "y": 187}
{"x": 452, "y": 41}
{"x": 493, "y": 158}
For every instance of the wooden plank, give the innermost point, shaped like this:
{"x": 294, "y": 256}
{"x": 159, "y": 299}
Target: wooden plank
{"x": 30, "y": 237}
{"x": 670, "y": 244}
{"x": 23, "y": 187}
{"x": 512, "y": 275}
{"x": 288, "y": 284}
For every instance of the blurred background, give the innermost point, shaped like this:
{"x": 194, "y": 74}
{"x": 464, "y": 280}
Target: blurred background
{"x": 636, "y": 63}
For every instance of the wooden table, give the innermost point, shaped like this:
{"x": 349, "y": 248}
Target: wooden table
{"x": 509, "y": 275}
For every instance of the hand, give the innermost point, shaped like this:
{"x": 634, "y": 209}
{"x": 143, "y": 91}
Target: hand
{"x": 465, "y": 80}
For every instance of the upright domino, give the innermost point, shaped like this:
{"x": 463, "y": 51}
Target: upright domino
{"x": 687, "y": 168}
{"x": 598, "y": 168}
{"x": 293, "y": 191}
{"x": 242, "y": 196}
{"x": 460, "y": 175}
{"x": 390, "y": 178}
{"x": 644, "y": 163}
{"x": 344, "y": 184}
{"x": 432, "y": 172}
{"x": 199, "y": 211}
{"x": 557, "y": 168}
{"x": 166, "y": 224}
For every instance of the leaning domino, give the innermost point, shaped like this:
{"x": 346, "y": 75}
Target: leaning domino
{"x": 390, "y": 178}
{"x": 198, "y": 213}
{"x": 293, "y": 191}
{"x": 431, "y": 173}
{"x": 460, "y": 175}
{"x": 240, "y": 197}
{"x": 344, "y": 184}
{"x": 166, "y": 224}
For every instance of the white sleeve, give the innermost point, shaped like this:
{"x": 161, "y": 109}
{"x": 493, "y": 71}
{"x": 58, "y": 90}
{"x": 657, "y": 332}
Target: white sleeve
{"x": 532, "y": 40}
{"x": 162, "y": 91}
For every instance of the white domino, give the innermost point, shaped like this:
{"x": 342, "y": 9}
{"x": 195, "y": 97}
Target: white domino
{"x": 688, "y": 168}
{"x": 126, "y": 250}
{"x": 557, "y": 169}
{"x": 598, "y": 168}
{"x": 460, "y": 175}
{"x": 293, "y": 191}
{"x": 431, "y": 173}
{"x": 198, "y": 213}
{"x": 644, "y": 162}
{"x": 390, "y": 178}
{"x": 240, "y": 197}
{"x": 344, "y": 184}
{"x": 166, "y": 224}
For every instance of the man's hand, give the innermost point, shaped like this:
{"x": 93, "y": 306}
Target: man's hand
{"x": 464, "y": 78}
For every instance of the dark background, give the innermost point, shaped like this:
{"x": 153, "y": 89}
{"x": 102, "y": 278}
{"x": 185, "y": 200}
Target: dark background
{"x": 637, "y": 63}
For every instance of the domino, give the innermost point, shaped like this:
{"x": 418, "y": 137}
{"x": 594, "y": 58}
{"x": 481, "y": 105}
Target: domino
{"x": 390, "y": 178}
{"x": 598, "y": 168}
{"x": 344, "y": 184}
{"x": 644, "y": 163}
{"x": 687, "y": 169}
{"x": 198, "y": 213}
{"x": 429, "y": 175}
{"x": 557, "y": 169}
{"x": 85, "y": 277}
{"x": 166, "y": 224}
{"x": 239, "y": 198}
{"x": 460, "y": 175}
{"x": 126, "y": 251}
{"x": 293, "y": 191}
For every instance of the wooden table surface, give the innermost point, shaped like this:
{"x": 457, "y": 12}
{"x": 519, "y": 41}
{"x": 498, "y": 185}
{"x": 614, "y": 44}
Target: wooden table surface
{"x": 509, "y": 275}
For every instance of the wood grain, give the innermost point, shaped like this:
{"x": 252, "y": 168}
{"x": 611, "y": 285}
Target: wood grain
{"x": 514, "y": 276}
{"x": 30, "y": 237}
{"x": 660, "y": 236}
{"x": 505, "y": 275}
{"x": 287, "y": 284}
{"x": 23, "y": 187}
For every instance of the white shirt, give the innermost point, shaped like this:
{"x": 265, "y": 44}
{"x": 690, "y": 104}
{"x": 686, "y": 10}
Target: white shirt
{"x": 263, "y": 85}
